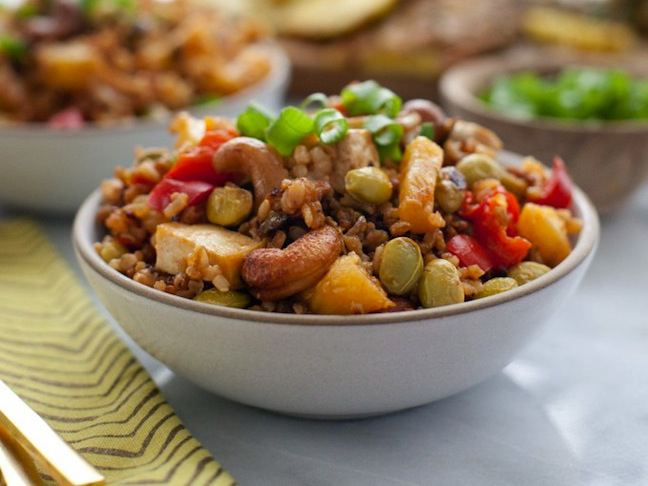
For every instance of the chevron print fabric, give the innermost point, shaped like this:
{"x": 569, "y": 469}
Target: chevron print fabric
{"x": 58, "y": 353}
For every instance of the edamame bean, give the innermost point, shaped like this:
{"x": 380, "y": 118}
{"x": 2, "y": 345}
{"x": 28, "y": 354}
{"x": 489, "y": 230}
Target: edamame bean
{"x": 450, "y": 189}
{"x": 496, "y": 285}
{"x": 478, "y": 166}
{"x": 229, "y": 206}
{"x": 230, "y": 298}
{"x": 368, "y": 184}
{"x": 111, "y": 250}
{"x": 524, "y": 272}
{"x": 401, "y": 266}
{"x": 440, "y": 284}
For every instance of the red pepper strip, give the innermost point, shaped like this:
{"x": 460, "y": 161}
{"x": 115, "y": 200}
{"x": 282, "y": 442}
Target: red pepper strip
{"x": 193, "y": 173}
{"x": 196, "y": 163}
{"x": 470, "y": 252}
{"x": 69, "y": 119}
{"x": 493, "y": 228}
{"x": 160, "y": 196}
{"x": 337, "y": 104}
{"x": 557, "y": 190}
{"x": 215, "y": 138}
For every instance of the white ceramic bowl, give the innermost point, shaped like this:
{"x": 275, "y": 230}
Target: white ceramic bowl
{"x": 334, "y": 366}
{"x": 53, "y": 171}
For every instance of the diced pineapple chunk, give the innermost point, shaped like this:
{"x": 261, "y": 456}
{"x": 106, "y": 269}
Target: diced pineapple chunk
{"x": 347, "y": 288}
{"x": 418, "y": 174}
{"x": 68, "y": 66}
{"x": 175, "y": 242}
{"x": 546, "y": 229}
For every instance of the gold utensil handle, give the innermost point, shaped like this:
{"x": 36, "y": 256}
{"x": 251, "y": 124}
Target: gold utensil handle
{"x": 16, "y": 466}
{"x": 32, "y": 432}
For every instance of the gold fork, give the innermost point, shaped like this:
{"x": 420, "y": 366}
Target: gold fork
{"x": 25, "y": 435}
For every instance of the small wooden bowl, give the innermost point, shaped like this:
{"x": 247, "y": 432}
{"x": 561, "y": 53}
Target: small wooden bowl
{"x": 608, "y": 160}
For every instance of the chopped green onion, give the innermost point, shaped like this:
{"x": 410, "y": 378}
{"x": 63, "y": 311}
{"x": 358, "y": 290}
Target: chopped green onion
{"x": 392, "y": 152}
{"x": 107, "y": 7}
{"x": 254, "y": 121}
{"x": 330, "y": 125}
{"x": 205, "y": 99}
{"x": 385, "y": 130}
{"x": 26, "y": 11}
{"x": 573, "y": 94}
{"x": 314, "y": 99}
{"x": 427, "y": 130}
{"x": 369, "y": 98}
{"x": 288, "y": 129}
{"x": 12, "y": 47}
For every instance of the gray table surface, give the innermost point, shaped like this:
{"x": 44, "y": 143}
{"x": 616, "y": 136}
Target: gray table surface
{"x": 571, "y": 409}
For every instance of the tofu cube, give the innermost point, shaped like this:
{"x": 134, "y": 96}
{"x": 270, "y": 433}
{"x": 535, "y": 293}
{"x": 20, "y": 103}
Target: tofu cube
{"x": 175, "y": 242}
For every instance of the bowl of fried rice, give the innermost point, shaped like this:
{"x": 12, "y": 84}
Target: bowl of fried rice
{"x": 84, "y": 83}
{"x": 352, "y": 256}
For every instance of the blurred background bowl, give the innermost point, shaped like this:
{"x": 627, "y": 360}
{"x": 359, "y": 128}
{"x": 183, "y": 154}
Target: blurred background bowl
{"x": 52, "y": 171}
{"x": 608, "y": 160}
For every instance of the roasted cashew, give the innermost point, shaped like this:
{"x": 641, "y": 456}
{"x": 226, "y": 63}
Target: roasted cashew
{"x": 255, "y": 159}
{"x": 467, "y": 138}
{"x": 274, "y": 274}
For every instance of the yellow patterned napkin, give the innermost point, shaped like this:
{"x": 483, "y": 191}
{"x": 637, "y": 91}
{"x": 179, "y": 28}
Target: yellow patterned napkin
{"x": 58, "y": 353}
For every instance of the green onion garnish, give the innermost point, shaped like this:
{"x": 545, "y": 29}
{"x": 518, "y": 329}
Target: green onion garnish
{"x": 313, "y": 100}
{"x": 330, "y": 125}
{"x": 369, "y": 98}
{"x": 107, "y": 7}
{"x": 288, "y": 129}
{"x": 26, "y": 11}
{"x": 206, "y": 99}
{"x": 428, "y": 130}
{"x": 254, "y": 122}
{"x": 385, "y": 130}
{"x": 12, "y": 47}
{"x": 392, "y": 151}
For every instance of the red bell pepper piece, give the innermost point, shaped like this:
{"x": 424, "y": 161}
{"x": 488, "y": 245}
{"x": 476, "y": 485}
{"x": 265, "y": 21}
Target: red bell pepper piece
{"x": 160, "y": 196}
{"x": 192, "y": 173}
{"x": 68, "y": 119}
{"x": 494, "y": 221}
{"x": 216, "y": 138}
{"x": 196, "y": 163}
{"x": 557, "y": 190}
{"x": 470, "y": 252}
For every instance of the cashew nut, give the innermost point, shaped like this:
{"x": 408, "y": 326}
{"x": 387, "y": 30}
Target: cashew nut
{"x": 254, "y": 158}
{"x": 274, "y": 274}
{"x": 467, "y": 138}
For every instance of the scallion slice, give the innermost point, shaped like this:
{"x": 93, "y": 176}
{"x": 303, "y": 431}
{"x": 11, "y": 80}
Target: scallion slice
{"x": 254, "y": 122}
{"x": 385, "y": 130}
{"x": 12, "y": 47}
{"x": 392, "y": 151}
{"x": 315, "y": 99}
{"x": 288, "y": 129}
{"x": 427, "y": 130}
{"x": 369, "y": 98}
{"x": 330, "y": 125}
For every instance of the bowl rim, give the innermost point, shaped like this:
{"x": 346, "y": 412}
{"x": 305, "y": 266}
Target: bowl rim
{"x": 278, "y": 75}
{"x": 454, "y": 90}
{"x": 85, "y": 227}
